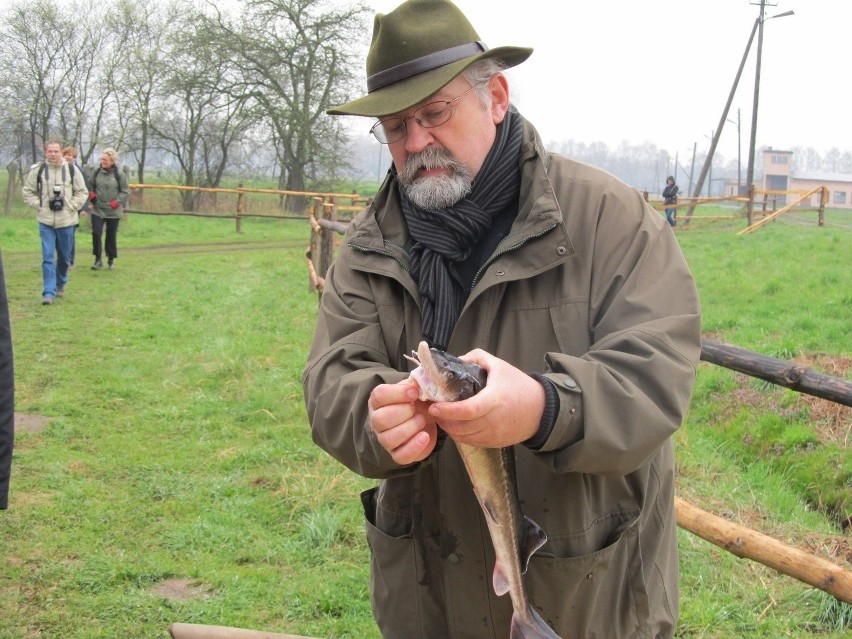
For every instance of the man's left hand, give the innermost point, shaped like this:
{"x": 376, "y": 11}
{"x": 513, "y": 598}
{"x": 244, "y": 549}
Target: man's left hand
{"x": 506, "y": 412}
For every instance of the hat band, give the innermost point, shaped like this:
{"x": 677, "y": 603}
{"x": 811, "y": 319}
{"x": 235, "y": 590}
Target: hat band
{"x": 425, "y": 63}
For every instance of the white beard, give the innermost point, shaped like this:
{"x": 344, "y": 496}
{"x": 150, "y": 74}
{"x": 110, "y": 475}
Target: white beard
{"x": 438, "y": 192}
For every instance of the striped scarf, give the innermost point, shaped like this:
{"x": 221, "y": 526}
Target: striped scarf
{"x": 447, "y": 236}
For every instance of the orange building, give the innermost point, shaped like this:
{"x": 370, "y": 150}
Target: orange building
{"x": 778, "y": 176}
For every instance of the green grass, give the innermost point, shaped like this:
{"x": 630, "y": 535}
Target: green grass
{"x": 178, "y": 447}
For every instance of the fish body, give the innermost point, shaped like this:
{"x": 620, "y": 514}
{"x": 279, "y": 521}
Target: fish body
{"x": 443, "y": 377}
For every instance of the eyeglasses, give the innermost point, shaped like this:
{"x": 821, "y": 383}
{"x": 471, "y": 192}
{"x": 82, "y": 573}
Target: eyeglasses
{"x": 428, "y": 116}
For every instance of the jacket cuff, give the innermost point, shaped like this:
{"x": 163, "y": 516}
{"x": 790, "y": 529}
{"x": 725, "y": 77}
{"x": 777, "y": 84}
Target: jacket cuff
{"x": 548, "y": 417}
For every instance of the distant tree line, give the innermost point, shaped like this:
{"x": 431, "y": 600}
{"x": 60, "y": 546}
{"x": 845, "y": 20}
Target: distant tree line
{"x": 643, "y": 166}
{"x": 182, "y": 84}
{"x": 201, "y": 90}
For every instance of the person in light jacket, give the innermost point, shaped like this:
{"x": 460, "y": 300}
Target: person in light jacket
{"x": 57, "y": 190}
{"x": 567, "y": 287}
{"x": 108, "y": 198}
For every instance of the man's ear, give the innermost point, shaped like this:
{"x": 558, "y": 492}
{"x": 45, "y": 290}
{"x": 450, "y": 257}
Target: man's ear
{"x": 498, "y": 86}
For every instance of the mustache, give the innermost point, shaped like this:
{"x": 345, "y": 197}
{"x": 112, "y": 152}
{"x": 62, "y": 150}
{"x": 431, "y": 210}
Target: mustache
{"x": 430, "y": 158}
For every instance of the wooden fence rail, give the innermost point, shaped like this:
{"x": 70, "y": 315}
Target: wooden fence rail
{"x": 692, "y": 202}
{"x": 239, "y": 210}
{"x": 777, "y": 371}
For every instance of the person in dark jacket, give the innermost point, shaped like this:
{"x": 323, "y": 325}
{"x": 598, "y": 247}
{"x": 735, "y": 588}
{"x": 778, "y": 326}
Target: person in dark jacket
{"x": 70, "y": 155}
{"x": 7, "y": 394}
{"x": 567, "y": 287}
{"x": 670, "y": 197}
{"x": 108, "y": 197}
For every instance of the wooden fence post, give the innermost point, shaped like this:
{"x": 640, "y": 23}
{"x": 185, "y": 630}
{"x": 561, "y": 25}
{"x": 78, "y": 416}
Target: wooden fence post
{"x": 241, "y": 202}
{"x": 314, "y": 246}
{"x": 750, "y": 205}
{"x": 10, "y": 186}
{"x": 823, "y": 197}
{"x": 329, "y": 212}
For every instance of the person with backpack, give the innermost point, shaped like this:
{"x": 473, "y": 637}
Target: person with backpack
{"x": 108, "y": 197}
{"x": 57, "y": 190}
{"x": 70, "y": 155}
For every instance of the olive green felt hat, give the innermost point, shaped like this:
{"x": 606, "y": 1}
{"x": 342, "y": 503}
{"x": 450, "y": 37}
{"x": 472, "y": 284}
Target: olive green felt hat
{"x": 418, "y": 48}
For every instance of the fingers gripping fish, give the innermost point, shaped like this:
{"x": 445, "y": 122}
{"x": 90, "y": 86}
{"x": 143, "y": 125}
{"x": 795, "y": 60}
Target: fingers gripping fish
{"x": 445, "y": 378}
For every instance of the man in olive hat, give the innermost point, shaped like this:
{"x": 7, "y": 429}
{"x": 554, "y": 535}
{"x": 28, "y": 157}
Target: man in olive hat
{"x": 567, "y": 288}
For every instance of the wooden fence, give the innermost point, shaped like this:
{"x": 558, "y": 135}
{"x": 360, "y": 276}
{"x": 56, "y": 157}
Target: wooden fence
{"x": 237, "y": 205}
{"x": 739, "y": 540}
{"x": 770, "y": 199}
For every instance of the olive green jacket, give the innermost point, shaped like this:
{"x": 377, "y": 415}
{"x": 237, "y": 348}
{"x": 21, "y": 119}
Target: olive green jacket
{"x": 589, "y": 288}
{"x": 107, "y": 189}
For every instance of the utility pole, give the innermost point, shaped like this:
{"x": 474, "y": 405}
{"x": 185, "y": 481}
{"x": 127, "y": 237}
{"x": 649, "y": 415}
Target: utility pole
{"x": 739, "y": 157}
{"x": 750, "y": 170}
{"x": 709, "y": 161}
{"x": 692, "y": 171}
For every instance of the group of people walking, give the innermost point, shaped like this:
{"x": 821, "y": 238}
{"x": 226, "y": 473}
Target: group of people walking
{"x": 61, "y": 191}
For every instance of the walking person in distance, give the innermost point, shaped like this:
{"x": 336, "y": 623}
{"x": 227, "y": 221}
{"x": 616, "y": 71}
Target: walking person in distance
{"x": 70, "y": 155}
{"x": 57, "y": 191}
{"x": 108, "y": 197}
{"x": 670, "y": 197}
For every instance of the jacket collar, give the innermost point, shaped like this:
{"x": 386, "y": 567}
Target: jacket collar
{"x": 382, "y": 228}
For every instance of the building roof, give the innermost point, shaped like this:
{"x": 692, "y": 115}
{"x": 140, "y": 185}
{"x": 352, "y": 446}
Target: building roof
{"x": 823, "y": 177}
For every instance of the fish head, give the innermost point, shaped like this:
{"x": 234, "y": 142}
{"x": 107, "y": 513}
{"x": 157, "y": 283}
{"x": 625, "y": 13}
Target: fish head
{"x": 443, "y": 377}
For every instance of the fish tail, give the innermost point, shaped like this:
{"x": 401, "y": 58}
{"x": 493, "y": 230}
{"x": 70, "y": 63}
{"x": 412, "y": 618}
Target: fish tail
{"x": 533, "y": 627}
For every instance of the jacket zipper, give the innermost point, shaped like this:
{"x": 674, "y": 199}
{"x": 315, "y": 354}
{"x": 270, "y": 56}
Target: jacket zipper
{"x": 365, "y": 249}
{"x": 515, "y": 247}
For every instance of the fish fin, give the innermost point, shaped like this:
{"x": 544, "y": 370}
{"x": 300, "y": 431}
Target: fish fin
{"x": 534, "y": 628}
{"x": 499, "y": 581}
{"x": 533, "y": 539}
{"x": 489, "y": 511}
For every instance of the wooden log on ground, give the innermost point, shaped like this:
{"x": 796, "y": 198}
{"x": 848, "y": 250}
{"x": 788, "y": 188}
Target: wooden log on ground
{"x": 750, "y": 544}
{"x": 200, "y": 631}
{"x": 777, "y": 371}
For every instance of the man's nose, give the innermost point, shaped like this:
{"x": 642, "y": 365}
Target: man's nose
{"x": 418, "y": 137}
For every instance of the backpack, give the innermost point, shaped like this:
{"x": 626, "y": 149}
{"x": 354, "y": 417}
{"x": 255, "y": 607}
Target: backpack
{"x": 95, "y": 177}
{"x": 43, "y": 169}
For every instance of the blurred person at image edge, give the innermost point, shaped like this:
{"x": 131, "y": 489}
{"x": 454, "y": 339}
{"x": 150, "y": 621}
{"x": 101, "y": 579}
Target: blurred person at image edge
{"x": 7, "y": 394}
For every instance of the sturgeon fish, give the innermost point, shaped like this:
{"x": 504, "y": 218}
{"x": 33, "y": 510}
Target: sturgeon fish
{"x": 445, "y": 378}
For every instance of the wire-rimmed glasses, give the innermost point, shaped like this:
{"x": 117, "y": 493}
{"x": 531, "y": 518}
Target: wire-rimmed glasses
{"x": 428, "y": 116}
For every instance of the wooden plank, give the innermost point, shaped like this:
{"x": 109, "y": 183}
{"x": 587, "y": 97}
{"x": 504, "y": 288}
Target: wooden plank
{"x": 777, "y": 371}
{"x": 750, "y": 544}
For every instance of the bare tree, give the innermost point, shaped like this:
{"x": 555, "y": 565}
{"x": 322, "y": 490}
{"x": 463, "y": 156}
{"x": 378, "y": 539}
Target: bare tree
{"x": 88, "y": 100}
{"x": 295, "y": 60}
{"x": 198, "y": 123}
{"x": 36, "y": 65}
{"x": 145, "y": 31}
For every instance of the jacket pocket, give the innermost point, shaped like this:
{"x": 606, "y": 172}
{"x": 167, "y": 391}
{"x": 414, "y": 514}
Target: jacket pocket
{"x": 601, "y": 594}
{"x": 393, "y": 570}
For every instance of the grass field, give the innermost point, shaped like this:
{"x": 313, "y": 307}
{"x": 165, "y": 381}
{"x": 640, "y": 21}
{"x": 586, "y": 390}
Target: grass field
{"x": 164, "y": 469}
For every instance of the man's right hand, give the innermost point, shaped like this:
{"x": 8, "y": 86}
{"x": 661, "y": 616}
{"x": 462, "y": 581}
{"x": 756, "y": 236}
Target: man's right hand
{"x": 401, "y": 422}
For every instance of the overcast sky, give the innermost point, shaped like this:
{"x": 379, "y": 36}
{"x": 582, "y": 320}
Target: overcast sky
{"x": 660, "y": 71}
